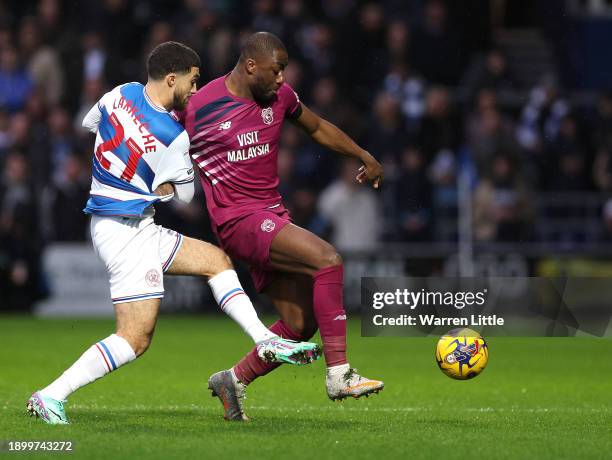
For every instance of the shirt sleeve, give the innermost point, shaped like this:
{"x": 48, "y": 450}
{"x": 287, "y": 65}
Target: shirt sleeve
{"x": 292, "y": 102}
{"x": 177, "y": 169}
{"x": 93, "y": 117}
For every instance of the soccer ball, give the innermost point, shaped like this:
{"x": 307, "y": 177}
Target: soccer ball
{"x": 462, "y": 353}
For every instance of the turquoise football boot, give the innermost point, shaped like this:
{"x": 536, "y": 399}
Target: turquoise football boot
{"x": 48, "y": 409}
{"x": 279, "y": 350}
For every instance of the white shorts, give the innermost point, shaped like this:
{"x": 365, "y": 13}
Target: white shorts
{"x": 136, "y": 253}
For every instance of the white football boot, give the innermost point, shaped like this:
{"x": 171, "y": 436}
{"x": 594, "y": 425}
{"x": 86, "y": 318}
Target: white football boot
{"x": 344, "y": 381}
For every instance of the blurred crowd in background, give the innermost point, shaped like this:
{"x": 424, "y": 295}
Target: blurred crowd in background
{"x": 425, "y": 85}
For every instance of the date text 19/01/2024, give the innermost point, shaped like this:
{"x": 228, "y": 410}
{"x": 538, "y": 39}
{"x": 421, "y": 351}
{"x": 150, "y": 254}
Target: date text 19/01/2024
{"x": 431, "y": 320}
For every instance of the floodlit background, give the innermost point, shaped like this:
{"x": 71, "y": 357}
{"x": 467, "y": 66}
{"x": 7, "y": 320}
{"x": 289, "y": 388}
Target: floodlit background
{"x": 493, "y": 120}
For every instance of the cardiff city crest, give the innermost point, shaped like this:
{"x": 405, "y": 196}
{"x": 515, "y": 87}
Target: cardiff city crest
{"x": 267, "y": 115}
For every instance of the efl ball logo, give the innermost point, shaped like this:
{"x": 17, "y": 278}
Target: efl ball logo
{"x": 153, "y": 278}
{"x": 462, "y": 353}
{"x": 268, "y": 225}
{"x": 267, "y": 115}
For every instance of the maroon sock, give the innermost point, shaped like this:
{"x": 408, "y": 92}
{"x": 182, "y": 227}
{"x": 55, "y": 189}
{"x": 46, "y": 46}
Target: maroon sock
{"x": 250, "y": 367}
{"x": 329, "y": 313}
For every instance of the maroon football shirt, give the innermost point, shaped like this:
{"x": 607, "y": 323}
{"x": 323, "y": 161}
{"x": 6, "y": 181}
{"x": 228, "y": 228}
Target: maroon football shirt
{"x": 234, "y": 143}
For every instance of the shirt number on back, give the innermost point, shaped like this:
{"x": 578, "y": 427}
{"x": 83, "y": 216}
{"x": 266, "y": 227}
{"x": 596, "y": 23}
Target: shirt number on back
{"x": 135, "y": 151}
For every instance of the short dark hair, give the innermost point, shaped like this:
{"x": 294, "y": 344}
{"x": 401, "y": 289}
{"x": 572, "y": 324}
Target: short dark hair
{"x": 261, "y": 44}
{"x": 170, "y": 57}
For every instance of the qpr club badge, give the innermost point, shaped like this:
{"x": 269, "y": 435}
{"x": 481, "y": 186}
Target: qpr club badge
{"x": 153, "y": 278}
{"x": 267, "y": 115}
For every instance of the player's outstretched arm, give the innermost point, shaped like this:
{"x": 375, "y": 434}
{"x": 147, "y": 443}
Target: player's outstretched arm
{"x": 329, "y": 135}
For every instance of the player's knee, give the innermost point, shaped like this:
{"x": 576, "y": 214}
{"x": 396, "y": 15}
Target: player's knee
{"x": 139, "y": 342}
{"x": 142, "y": 344}
{"x": 220, "y": 262}
{"x": 329, "y": 258}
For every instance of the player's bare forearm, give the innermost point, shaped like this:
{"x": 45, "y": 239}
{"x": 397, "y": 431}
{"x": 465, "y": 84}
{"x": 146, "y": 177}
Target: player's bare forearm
{"x": 332, "y": 137}
{"x": 329, "y": 135}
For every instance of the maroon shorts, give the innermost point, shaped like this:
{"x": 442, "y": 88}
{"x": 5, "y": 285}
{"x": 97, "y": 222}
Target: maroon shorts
{"x": 249, "y": 239}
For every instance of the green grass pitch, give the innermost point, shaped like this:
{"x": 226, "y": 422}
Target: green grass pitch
{"x": 538, "y": 398}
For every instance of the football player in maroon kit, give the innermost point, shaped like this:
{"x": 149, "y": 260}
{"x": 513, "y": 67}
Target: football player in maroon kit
{"x": 234, "y": 124}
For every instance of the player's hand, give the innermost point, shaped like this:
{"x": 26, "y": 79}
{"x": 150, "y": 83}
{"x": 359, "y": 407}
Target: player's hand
{"x": 372, "y": 171}
{"x": 164, "y": 189}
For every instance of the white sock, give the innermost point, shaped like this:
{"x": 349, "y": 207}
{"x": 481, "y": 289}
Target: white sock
{"x": 236, "y": 304}
{"x": 337, "y": 370}
{"x": 100, "y": 359}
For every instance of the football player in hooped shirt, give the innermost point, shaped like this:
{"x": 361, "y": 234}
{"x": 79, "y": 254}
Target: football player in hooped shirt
{"x": 234, "y": 124}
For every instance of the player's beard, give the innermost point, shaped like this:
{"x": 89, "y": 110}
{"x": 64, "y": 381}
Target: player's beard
{"x": 179, "y": 101}
{"x": 262, "y": 93}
